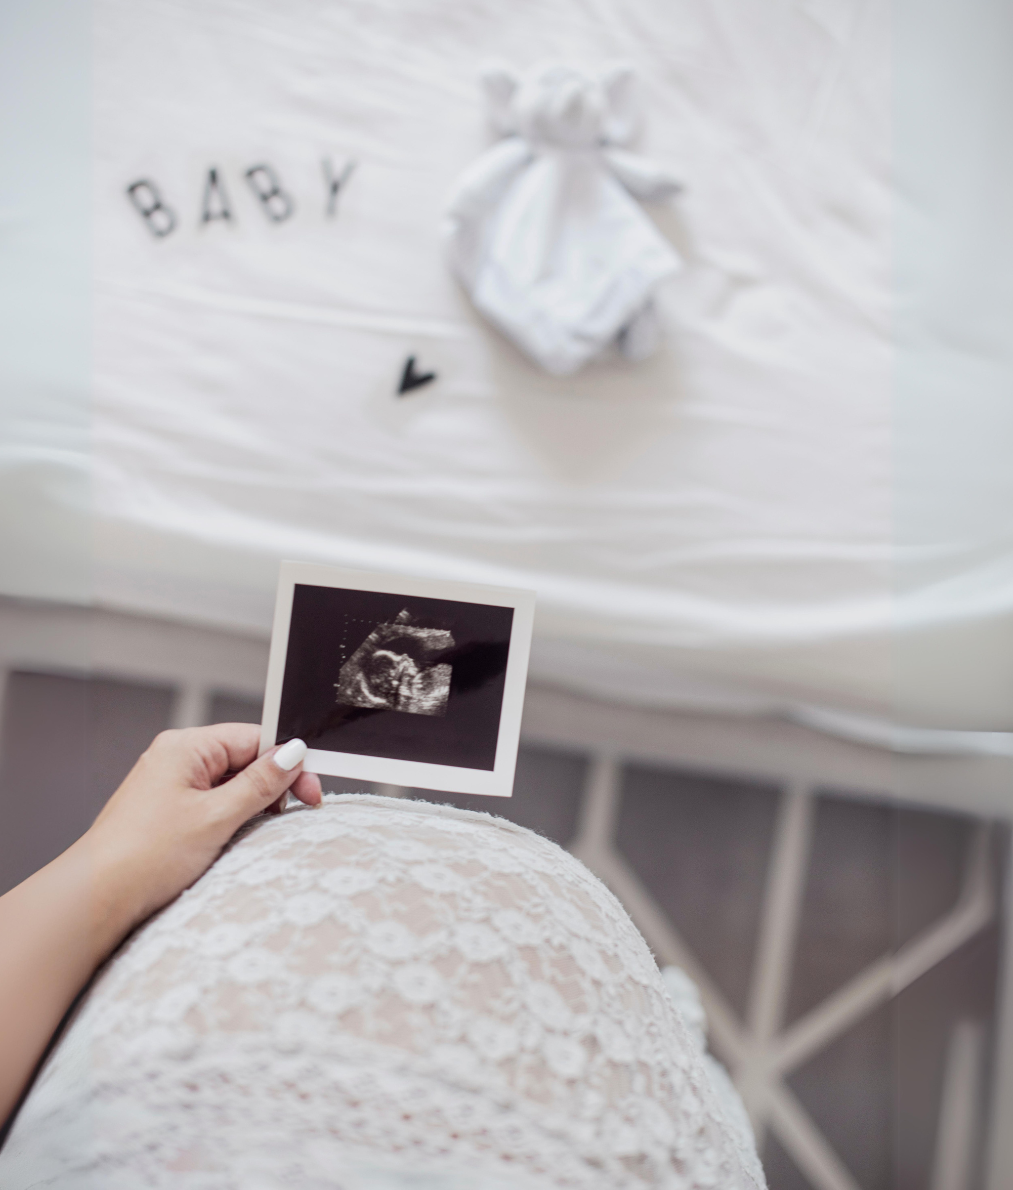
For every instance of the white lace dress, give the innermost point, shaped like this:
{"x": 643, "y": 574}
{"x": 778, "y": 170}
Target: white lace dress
{"x": 381, "y": 993}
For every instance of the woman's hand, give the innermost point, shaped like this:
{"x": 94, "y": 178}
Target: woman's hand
{"x": 160, "y": 831}
{"x": 181, "y": 803}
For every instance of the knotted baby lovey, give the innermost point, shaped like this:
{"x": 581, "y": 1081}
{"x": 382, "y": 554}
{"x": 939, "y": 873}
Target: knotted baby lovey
{"x": 543, "y": 230}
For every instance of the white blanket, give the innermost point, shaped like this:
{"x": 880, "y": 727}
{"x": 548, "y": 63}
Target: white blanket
{"x": 802, "y": 499}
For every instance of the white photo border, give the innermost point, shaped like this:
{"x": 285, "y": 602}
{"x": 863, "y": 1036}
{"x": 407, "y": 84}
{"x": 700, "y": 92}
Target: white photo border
{"x": 497, "y": 783}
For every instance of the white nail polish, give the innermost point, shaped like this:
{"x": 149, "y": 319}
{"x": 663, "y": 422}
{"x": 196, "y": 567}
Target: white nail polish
{"x": 289, "y": 755}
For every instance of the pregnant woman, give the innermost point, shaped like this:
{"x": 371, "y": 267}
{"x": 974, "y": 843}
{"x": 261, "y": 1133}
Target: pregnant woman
{"x": 353, "y": 992}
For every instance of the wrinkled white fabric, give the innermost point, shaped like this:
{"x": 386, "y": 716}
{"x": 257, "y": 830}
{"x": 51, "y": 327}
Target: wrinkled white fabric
{"x": 541, "y": 229}
{"x": 800, "y": 500}
{"x": 381, "y": 987}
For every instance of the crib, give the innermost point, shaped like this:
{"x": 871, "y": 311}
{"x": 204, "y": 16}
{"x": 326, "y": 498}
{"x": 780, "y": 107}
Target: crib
{"x": 741, "y": 845}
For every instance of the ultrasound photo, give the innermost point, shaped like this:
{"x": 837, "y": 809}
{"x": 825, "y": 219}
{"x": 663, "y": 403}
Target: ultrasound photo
{"x": 403, "y": 677}
{"x": 398, "y": 667}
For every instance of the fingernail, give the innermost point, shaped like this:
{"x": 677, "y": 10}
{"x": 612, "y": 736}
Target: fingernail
{"x": 289, "y": 755}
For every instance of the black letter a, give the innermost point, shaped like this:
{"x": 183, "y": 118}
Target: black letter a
{"x": 216, "y": 203}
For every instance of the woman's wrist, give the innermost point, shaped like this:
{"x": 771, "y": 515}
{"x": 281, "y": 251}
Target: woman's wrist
{"x": 113, "y": 888}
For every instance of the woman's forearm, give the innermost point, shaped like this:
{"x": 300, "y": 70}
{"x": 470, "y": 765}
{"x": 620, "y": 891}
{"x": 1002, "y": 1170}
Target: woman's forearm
{"x": 160, "y": 830}
{"x": 56, "y": 928}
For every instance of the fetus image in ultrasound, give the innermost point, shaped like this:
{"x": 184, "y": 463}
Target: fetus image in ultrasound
{"x": 398, "y": 667}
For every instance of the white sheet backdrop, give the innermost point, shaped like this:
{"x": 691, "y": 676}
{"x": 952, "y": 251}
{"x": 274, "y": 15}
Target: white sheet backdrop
{"x": 731, "y": 523}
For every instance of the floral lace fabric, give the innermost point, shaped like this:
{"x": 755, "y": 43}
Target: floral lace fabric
{"x": 381, "y": 993}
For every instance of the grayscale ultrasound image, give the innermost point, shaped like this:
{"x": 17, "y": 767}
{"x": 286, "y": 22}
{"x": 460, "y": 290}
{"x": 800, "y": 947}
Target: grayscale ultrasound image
{"x": 409, "y": 678}
{"x": 395, "y": 668}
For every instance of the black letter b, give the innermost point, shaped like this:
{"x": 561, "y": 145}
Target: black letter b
{"x": 278, "y": 205}
{"x": 146, "y": 200}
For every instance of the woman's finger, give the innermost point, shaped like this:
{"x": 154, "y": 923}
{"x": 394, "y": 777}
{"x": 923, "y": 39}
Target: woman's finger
{"x": 265, "y": 780}
{"x": 306, "y": 788}
{"x": 204, "y": 755}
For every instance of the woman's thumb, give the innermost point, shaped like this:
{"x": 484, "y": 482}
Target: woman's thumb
{"x": 264, "y": 781}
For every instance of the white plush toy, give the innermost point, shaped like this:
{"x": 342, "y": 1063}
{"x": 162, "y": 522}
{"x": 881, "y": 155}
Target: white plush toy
{"x": 543, "y": 230}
